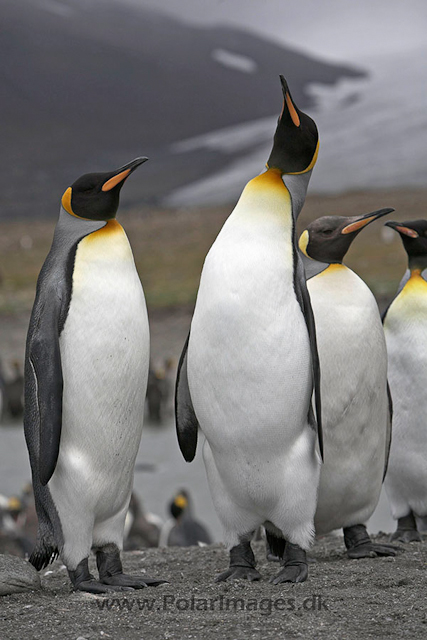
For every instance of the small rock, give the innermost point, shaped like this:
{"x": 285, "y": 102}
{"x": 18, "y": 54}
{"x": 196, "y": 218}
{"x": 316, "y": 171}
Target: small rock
{"x": 17, "y": 575}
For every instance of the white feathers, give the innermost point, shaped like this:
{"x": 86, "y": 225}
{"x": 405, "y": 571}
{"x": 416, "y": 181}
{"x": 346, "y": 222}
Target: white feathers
{"x": 353, "y": 365}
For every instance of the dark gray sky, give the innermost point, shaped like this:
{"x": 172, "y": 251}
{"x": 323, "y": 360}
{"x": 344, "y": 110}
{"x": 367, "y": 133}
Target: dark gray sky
{"x": 336, "y": 29}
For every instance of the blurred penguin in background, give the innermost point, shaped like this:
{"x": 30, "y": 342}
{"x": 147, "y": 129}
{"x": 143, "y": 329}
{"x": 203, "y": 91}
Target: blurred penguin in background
{"x": 182, "y": 530}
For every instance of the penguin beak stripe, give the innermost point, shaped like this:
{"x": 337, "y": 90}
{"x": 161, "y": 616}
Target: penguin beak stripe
{"x": 356, "y": 226}
{"x": 407, "y": 232}
{"x": 292, "y": 110}
{"x": 112, "y": 182}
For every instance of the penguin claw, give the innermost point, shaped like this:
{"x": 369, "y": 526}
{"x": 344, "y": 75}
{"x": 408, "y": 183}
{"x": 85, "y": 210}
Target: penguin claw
{"x": 406, "y": 535}
{"x": 239, "y": 573}
{"x": 124, "y": 581}
{"x": 291, "y": 573}
{"x": 372, "y": 550}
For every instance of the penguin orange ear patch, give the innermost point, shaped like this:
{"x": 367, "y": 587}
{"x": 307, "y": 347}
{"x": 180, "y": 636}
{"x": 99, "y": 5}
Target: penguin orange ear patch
{"x": 292, "y": 110}
{"x": 303, "y": 242}
{"x": 66, "y": 201}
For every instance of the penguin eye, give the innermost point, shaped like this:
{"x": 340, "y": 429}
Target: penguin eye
{"x": 88, "y": 188}
{"x": 327, "y": 232}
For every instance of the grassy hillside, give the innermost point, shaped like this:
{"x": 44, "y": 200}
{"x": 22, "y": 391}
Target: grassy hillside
{"x": 170, "y": 246}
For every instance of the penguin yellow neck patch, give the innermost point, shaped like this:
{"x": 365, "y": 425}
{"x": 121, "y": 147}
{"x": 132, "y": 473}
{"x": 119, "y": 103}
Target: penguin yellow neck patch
{"x": 334, "y": 267}
{"x": 111, "y": 228}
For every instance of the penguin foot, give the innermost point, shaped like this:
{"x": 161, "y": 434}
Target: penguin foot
{"x": 359, "y": 544}
{"x": 239, "y": 573}
{"x": 133, "y": 582}
{"x": 83, "y": 580}
{"x": 111, "y": 571}
{"x": 294, "y": 565}
{"x": 406, "y": 535}
{"x": 242, "y": 564}
{"x": 296, "y": 572}
{"x": 407, "y": 530}
{"x": 373, "y": 550}
{"x": 93, "y": 586}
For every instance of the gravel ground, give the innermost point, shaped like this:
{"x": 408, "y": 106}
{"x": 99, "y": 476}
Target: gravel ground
{"x": 342, "y": 599}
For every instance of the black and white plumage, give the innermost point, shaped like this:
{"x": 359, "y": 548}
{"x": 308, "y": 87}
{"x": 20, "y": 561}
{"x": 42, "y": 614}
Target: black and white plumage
{"x": 250, "y": 365}
{"x": 85, "y": 378}
{"x": 355, "y": 399}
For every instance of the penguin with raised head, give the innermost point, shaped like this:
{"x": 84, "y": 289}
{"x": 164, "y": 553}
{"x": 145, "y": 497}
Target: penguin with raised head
{"x": 86, "y": 373}
{"x": 405, "y": 328}
{"x": 356, "y": 408}
{"x": 250, "y": 364}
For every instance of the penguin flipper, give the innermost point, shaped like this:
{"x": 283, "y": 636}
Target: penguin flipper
{"x": 305, "y": 303}
{"x": 44, "y": 359}
{"x": 186, "y": 422}
{"x": 389, "y": 430}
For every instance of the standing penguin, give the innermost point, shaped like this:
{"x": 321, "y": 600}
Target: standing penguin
{"x": 248, "y": 369}
{"x": 85, "y": 379}
{"x": 356, "y": 406}
{"x": 405, "y": 327}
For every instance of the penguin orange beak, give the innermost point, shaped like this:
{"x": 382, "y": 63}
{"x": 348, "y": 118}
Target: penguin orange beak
{"x": 121, "y": 174}
{"x": 402, "y": 229}
{"x": 362, "y": 221}
{"x": 287, "y": 102}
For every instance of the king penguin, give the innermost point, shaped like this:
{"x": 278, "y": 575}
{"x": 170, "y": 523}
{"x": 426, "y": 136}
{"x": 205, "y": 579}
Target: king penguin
{"x": 249, "y": 365}
{"x": 356, "y": 407}
{"x": 405, "y": 327}
{"x": 86, "y": 370}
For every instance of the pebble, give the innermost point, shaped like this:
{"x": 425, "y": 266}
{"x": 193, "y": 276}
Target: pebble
{"x": 17, "y": 575}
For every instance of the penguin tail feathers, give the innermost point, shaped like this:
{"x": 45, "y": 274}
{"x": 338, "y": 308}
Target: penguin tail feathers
{"x": 275, "y": 544}
{"x": 43, "y": 555}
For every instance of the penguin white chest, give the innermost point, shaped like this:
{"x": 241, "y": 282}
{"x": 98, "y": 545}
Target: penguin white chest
{"x": 355, "y": 411}
{"x": 105, "y": 353}
{"x": 249, "y": 353}
{"x": 405, "y": 329}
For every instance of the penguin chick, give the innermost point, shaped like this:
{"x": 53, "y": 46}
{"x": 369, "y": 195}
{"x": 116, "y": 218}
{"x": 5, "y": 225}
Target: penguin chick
{"x": 85, "y": 378}
{"x": 405, "y": 327}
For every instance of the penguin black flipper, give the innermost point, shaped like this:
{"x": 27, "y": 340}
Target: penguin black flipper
{"x": 185, "y": 418}
{"x": 389, "y": 430}
{"x": 44, "y": 359}
{"x": 303, "y": 298}
{"x": 43, "y": 378}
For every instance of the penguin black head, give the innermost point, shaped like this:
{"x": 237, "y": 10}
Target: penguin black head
{"x": 296, "y": 139}
{"x": 179, "y": 504}
{"x": 414, "y": 237}
{"x": 328, "y": 239}
{"x": 95, "y": 196}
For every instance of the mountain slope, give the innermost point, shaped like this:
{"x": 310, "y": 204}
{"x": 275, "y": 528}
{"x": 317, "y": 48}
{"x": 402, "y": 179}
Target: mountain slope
{"x": 88, "y": 86}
